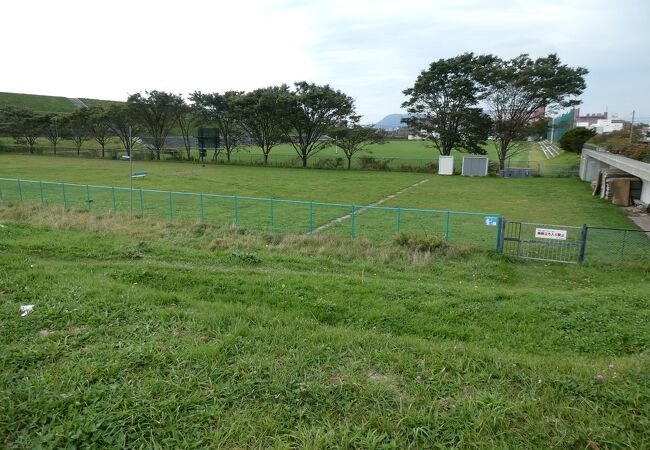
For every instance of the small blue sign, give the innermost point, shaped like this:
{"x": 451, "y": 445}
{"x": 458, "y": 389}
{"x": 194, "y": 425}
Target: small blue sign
{"x": 491, "y": 221}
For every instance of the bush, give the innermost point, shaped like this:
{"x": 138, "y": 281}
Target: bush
{"x": 250, "y": 259}
{"x": 368, "y": 162}
{"x": 640, "y": 152}
{"x": 574, "y": 139}
{"x": 422, "y": 244}
{"x": 329, "y": 163}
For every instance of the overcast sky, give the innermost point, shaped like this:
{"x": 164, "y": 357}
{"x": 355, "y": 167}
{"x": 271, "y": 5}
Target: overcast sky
{"x": 372, "y": 50}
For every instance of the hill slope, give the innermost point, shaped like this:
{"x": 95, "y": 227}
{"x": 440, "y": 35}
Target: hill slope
{"x": 159, "y": 335}
{"x": 46, "y": 103}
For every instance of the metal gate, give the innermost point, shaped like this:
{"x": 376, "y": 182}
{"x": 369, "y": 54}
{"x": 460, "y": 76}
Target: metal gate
{"x": 543, "y": 242}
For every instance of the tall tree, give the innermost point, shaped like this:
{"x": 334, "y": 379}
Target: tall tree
{"x": 123, "y": 124}
{"x": 187, "y": 117}
{"x": 99, "y": 125}
{"x": 78, "y": 127}
{"x": 156, "y": 111}
{"x": 222, "y": 110}
{"x": 519, "y": 87}
{"x": 357, "y": 138}
{"x": 262, "y": 114}
{"x": 443, "y": 103}
{"x": 314, "y": 111}
{"x": 25, "y": 125}
{"x": 55, "y": 129}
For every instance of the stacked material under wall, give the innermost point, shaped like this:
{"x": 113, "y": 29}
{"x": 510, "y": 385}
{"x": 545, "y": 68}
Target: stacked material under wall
{"x": 621, "y": 187}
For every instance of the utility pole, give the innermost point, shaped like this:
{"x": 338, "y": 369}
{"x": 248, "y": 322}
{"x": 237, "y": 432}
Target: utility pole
{"x": 632, "y": 126}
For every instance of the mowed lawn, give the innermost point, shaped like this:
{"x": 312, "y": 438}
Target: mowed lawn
{"x": 153, "y": 335}
{"x": 546, "y": 200}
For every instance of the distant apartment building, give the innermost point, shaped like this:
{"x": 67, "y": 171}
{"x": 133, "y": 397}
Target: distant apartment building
{"x": 600, "y": 122}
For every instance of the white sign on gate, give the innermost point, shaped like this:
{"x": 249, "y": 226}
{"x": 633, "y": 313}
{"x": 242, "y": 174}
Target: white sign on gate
{"x": 547, "y": 233}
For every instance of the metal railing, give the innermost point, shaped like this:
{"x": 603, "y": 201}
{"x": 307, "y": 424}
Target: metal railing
{"x": 268, "y": 214}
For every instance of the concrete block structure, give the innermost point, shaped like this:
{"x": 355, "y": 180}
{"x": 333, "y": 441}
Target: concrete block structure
{"x": 593, "y": 160}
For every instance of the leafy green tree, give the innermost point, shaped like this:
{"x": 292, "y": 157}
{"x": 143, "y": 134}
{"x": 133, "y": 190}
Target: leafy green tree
{"x": 100, "y": 126}
{"x": 444, "y": 100}
{"x": 262, "y": 114}
{"x": 313, "y": 111}
{"x": 221, "y": 110}
{"x": 157, "y": 113}
{"x": 55, "y": 129}
{"x": 537, "y": 129}
{"x": 124, "y": 125}
{"x": 357, "y": 138}
{"x": 574, "y": 139}
{"x": 78, "y": 128}
{"x": 187, "y": 118}
{"x": 519, "y": 87}
{"x": 24, "y": 125}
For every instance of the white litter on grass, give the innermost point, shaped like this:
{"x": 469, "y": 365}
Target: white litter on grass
{"x": 2, "y": 226}
{"x": 26, "y": 309}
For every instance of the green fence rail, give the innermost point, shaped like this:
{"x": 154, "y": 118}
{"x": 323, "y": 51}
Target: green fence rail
{"x": 268, "y": 214}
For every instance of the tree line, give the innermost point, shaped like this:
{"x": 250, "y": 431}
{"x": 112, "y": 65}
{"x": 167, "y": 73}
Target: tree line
{"x": 457, "y": 103}
{"x": 308, "y": 116}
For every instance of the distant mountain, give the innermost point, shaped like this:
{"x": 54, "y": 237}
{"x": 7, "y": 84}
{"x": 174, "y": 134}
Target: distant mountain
{"x": 392, "y": 122}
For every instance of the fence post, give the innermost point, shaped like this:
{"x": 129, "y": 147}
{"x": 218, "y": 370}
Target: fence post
{"x": 311, "y": 219}
{"x": 447, "y": 227}
{"x": 113, "y": 196}
{"x": 141, "y": 204}
{"x": 65, "y": 200}
{"x": 20, "y": 192}
{"x": 398, "y": 220}
{"x": 171, "y": 213}
{"x": 352, "y": 217}
{"x": 236, "y": 210}
{"x": 583, "y": 243}
{"x": 88, "y": 199}
{"x": 499, "y": 233}
{"x": 272, "y": 216}
{"x": 40, "y": 188}
{"x": 201, "y": 202}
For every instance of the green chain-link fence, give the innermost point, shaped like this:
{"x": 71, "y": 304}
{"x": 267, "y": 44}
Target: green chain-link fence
{"x": 273, "y": 215}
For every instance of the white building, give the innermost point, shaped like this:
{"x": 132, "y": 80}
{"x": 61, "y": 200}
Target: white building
{"x": 603, "y": 125}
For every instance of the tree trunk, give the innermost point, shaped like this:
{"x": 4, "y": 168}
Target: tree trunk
{"x": 54, "y": 149}
{"x": 350, "y": 162}
{"x": 304, "y": 159}
{"x": 103, "y": 150}
{"x": 266, "y": 158}
{"x": 228, "y": 155}
{"x": 78, "y": 150}
{"x": 158, "y": 154}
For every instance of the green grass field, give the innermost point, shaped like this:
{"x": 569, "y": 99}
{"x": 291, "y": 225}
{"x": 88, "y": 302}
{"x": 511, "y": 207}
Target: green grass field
{"x": 548, "y": 200}
{"x": 148, "y": 334}
{"x": 539, "y": 200}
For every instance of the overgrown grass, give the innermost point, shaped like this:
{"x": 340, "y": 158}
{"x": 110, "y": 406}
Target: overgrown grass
{"x": 151, "y": 334}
